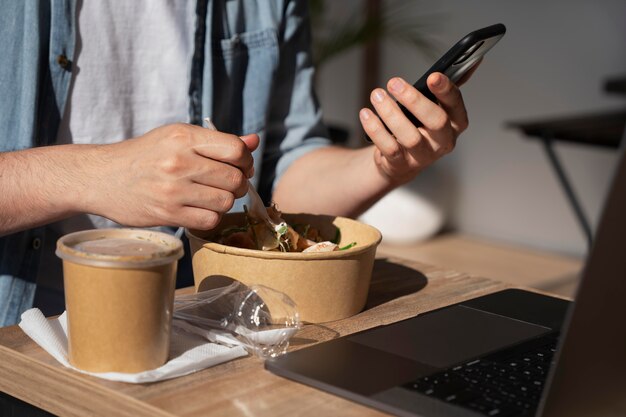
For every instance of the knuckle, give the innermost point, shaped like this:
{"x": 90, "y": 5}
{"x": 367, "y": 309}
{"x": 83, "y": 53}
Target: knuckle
{"x": 180, "y": 132}
{"x": 238, "y": 149}
{"x": 226, "y": 201}
{"x": 394, "y": 152}
{"x": 172, "y": 164}
{"x": 175, "y": 128}
{"x": 449, "y": 88}
{"x": 439, "y": 122}
{"x": 384, "y": 110}
{"x": 410, "y": 97}
{"x": 447, "y": 147}
{"x": 413, "y": 139}
{"x": 168, "y": 190}
{"x": 209, "y": 220}
{"x": 241, "y": 191}
{"x": 183, "y": 128}
{"x": 374, "y": 128}
{"x": 161, "y": 213}
{"x": 236, "y": 179}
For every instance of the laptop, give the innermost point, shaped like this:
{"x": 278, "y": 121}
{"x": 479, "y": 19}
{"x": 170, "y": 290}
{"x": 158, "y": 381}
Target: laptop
{"x": 510, "y": 353}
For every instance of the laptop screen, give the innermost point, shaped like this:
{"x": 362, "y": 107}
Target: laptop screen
{"x": 590, "y": 375}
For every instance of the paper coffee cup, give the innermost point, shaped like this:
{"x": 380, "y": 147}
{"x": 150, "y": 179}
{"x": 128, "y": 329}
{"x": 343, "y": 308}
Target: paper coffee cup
{"x": 119, "y": 294}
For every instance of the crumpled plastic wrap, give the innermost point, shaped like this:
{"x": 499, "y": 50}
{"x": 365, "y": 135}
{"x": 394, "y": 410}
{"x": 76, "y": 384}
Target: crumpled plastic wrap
{"x": 260, "y": 319}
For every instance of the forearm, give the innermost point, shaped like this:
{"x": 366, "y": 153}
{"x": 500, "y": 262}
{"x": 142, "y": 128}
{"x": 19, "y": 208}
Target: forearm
{"x": 42, "y": 185}
{"x": 334, "y": 180}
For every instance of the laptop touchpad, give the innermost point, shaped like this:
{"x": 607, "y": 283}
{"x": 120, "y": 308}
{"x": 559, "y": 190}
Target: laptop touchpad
{"x": 449, "y": 336}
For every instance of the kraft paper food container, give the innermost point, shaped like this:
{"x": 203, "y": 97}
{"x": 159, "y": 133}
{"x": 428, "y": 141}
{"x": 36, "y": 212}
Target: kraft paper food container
{"x": 119, "y": 294}
{"x": 324, "y": 286}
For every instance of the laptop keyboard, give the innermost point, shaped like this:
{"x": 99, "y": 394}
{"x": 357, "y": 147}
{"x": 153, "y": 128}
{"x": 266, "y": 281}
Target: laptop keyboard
{"x": 506, "y": 383}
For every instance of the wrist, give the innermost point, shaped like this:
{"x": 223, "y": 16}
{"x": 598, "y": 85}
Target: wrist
{"x": 44, "y": 184}
{"x": 371, "y": 181}
{"x": 86, "y": 166}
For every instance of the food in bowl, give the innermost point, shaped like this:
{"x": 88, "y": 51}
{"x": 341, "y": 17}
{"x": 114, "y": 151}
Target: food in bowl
{"x": 325, "y": 286}
{"x": 255, "y": 233}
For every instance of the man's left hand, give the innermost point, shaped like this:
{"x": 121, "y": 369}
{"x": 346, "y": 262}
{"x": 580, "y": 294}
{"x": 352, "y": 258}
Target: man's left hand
{"x": 407, "y": 150}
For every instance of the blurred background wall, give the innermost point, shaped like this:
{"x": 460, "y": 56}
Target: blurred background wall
{"x": 552, "y": 62}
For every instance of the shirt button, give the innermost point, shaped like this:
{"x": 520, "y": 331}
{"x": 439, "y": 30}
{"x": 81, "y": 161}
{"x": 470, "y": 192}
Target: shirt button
{"x": 64, "y": 62}
{"x": 36, "y": 243}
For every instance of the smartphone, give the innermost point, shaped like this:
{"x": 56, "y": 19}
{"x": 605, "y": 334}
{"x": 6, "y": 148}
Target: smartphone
{"x": 459, "y": 60}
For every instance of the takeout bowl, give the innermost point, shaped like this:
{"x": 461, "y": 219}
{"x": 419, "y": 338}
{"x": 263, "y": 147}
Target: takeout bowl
{"x": 325, "y": 286}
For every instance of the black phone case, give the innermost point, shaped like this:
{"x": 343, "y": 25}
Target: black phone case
{"x": 459, "y": 60}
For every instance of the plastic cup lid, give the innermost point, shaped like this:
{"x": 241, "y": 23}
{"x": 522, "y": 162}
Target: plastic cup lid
{"x": 119, "y": 248}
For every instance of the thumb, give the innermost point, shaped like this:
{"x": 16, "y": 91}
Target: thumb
{"x": 251, "y": 141}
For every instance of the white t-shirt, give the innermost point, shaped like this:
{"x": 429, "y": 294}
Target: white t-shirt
{"x": 131, "y": 73}
{"x": 131, "y": 69}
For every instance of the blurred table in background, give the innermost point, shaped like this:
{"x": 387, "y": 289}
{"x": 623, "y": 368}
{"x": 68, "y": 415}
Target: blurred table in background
{"x": 604, "y": 129}
{"x": 616, "y": 85}
{"x": 595, "y": 129}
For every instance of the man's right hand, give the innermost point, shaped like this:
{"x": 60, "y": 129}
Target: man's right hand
{"x": 178, "y": 175}
{"x": 174, "y": 175}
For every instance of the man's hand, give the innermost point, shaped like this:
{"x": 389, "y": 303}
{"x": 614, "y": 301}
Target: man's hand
{"x": 180, "y": 175}
{"x": 369, "y": 173}
{"x": 174, "y": 175}
{"x": 403, "y": 153}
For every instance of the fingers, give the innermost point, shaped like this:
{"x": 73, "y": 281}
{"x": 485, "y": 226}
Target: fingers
{"x": 251, "y": 141}
{"x": 222, "y": 162}
{"x": 197, "y": 218}
{"x": 450, "y": 100}
{"x": 187, "y": 203}
{"x": 436, "y": 133}
{"x": 197, "y": 200}
{"x": 222, "y": 177}
{"x": 403, "y": 149}
{"x": 384, "y": 141}
{"x": 405, "y": 132}
{"x": 219, "y": 201}
{"x": 196, "y": 196}
{"x": 430, "y": 114}
{"x": 223, "y": 147}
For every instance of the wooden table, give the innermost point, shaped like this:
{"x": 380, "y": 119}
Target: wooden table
{"x": 399, "y": 289}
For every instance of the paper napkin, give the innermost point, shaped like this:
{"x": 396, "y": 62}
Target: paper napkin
{"x": 189, "y": 351}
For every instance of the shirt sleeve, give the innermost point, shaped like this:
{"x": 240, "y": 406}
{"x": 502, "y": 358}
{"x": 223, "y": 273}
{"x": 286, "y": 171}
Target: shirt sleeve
{"x": 294, "y": 125}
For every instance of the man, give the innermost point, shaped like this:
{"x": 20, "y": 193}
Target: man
{"x": 101, "y": 102}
